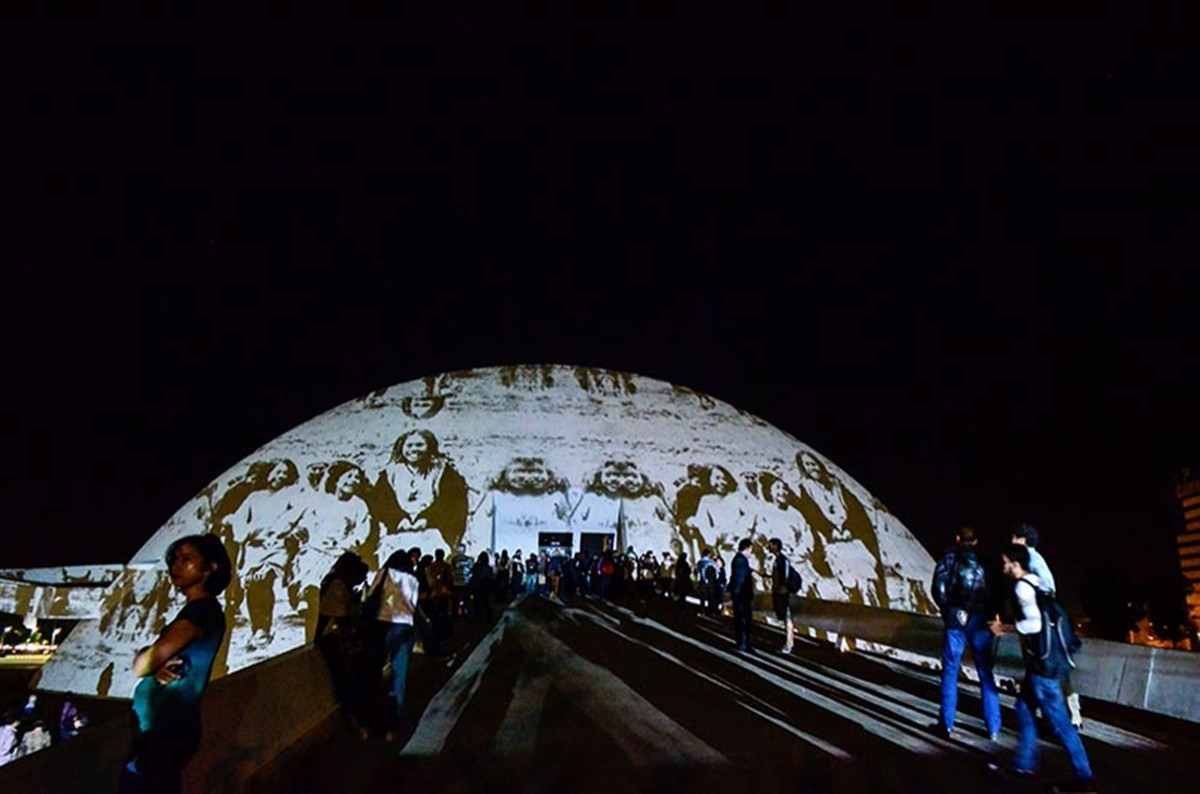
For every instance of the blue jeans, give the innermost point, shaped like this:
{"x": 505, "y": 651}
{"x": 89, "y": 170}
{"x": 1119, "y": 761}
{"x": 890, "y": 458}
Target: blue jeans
{"x": 977, "y": 634}
{"x": 1047, "y": 693}
{"x": 531, "y": 584}
{"x": 400, "y": 637}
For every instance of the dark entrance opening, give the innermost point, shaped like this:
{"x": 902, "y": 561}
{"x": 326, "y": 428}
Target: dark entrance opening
{"x": 555, "y": 543}
{"x": 596, "y": 542}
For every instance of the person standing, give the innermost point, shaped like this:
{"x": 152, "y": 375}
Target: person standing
{"x": 503, "y": 571}
{"x": 960, "y": 589}
{"x": 482, "y": 582}
{"x": 1027, "y": 535}
{"x": 706, "y": 578}
{"x": 781, "y": 592}
{"x": 517, "y": 577}
{"x": 174, "y": 670}
{"x": 683, "y": 581}
{"x": 741, "y": 587}
{"x": 461, "y": 566}
{"x": 397, "y": 609}
{"x": 1046, "y": 660}
{"x": 340, "y": 637}
{"x": 531, "y": 574}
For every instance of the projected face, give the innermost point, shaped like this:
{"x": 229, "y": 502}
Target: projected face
{"x": 779, "y": 493}
{"x": 316, "y": 473}
{"x": 528, "y": 475}
{"x": 722, "y": 483}
{"x": 422, "y": 407}
{"x": 611, "y": 479}
{"x": 279, "y": 477}
{"x": 810, "y": 466}
{"x": 350, "y": 484}
{"x": 415, "y": 449}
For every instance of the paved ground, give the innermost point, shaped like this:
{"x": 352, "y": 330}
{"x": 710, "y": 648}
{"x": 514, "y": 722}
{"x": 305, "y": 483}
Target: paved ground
{"x": 596, "y": 697}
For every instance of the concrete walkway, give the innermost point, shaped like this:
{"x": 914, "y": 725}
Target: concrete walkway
{"x": 595, "y": 696}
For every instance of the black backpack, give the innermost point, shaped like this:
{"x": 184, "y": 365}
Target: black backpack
{"x": 794, "y": 582}
{"x": 1057, "y": 634}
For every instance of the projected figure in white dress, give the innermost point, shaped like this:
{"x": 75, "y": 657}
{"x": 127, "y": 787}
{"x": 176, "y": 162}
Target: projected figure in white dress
{"x": 419, "y": 497}
{"x": 850, "y": 550}
{"x": 336, "y": 520}
{"x": 722, "y": 514}
{"x": 777, "y": 515}
{"x": 621, "y": 501}
{"x": 523, "y": 501}
{"x": 258, "y": 530}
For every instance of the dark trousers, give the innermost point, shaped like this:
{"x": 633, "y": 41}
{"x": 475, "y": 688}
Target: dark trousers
{"x": 158, "y": 761}
{"x": 741, "y": 622}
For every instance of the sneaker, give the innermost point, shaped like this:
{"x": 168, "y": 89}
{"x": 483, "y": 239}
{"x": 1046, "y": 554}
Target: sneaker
{"x": 995, "y": 737}
{"x": 786, "y": 649}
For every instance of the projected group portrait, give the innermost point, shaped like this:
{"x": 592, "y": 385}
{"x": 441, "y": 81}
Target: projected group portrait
{"x": 531, "y": 457}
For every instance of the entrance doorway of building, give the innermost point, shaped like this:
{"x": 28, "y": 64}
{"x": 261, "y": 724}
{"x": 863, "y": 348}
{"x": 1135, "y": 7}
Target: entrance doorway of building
{"x": 552, "y": 543}
{"x": 596, "y": 542}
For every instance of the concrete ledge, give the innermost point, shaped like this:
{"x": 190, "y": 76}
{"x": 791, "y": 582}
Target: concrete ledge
{"x": 1153, "y": 679}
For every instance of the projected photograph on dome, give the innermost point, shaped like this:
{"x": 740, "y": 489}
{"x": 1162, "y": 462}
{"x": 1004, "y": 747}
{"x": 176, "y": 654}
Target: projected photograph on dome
{"x": 500, "y": 460}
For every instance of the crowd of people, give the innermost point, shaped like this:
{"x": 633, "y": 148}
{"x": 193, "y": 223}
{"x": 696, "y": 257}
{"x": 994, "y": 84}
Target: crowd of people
{"x": 973, "y": 591}
{"x": 368, "y": 630}
{"x": 24, "y": 730}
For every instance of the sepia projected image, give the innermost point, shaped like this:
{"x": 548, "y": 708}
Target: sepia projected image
{"x": 560, "y": 459}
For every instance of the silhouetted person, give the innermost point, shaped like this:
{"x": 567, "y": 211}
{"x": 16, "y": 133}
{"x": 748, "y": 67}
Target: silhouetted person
{"x": 174, "y": 670}
{"x": 683, "y": 581}
{"x": 781, "y": 592}
{"x": 341, "y": 638}
{"x": 482, "y": 582}
{"x": 741, "y": 588}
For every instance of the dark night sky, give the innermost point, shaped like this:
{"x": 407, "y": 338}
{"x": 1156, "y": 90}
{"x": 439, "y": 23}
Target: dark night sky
{"x": 955, "y": 255}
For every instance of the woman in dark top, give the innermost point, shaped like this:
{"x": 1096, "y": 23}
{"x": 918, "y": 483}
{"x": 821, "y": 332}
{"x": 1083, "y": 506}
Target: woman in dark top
{"x": 342, "y": 639}
{"x": 174, "y": 670}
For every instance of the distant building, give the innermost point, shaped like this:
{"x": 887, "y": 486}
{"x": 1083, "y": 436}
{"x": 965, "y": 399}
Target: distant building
{"x": 1188, "y": 541}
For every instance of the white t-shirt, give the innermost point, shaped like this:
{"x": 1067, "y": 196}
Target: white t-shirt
{"x": 1030, "y": 620}
{"x": 399, "y": 600}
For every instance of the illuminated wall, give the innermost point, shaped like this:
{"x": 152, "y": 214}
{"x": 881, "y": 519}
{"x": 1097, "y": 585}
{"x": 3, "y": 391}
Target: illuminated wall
{"x": 502, "y": 457}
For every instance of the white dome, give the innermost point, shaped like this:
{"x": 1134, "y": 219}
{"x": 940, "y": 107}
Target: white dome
{"x": 527, "y": 457}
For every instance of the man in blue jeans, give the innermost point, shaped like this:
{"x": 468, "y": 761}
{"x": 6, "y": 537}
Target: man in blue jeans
{"x": 960, "y": 589}
{"x": 1046, "y": 661}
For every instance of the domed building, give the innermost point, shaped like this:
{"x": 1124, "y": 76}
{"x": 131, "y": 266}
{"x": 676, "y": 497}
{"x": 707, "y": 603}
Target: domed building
{"x": 547, "y": 459}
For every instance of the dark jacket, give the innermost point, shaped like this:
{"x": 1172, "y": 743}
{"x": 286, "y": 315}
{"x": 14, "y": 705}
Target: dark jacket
{"x": 779, "y": 575}
{"x": 960, "y": 582}
{"x": 741, "y": 583}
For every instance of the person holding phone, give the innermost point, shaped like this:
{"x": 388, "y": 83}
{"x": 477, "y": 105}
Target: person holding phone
{"x": 174, "y": 670}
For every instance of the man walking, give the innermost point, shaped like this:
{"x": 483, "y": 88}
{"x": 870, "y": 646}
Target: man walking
{"x": 1046, "y": 660}
{"x": 741, "y": 587}
{"x": 1026, "y": 535}
{"x": 781, "y": 591}
{"x": 960, "y": 590}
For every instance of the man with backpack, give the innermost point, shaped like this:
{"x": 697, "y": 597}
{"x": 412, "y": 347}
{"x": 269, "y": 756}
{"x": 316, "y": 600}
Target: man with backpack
{"x": 785, "y": 583}
{"x": 1027, "y": 535}
{"x": 1047, "y": 642}
{"x": 960, "y": 589}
